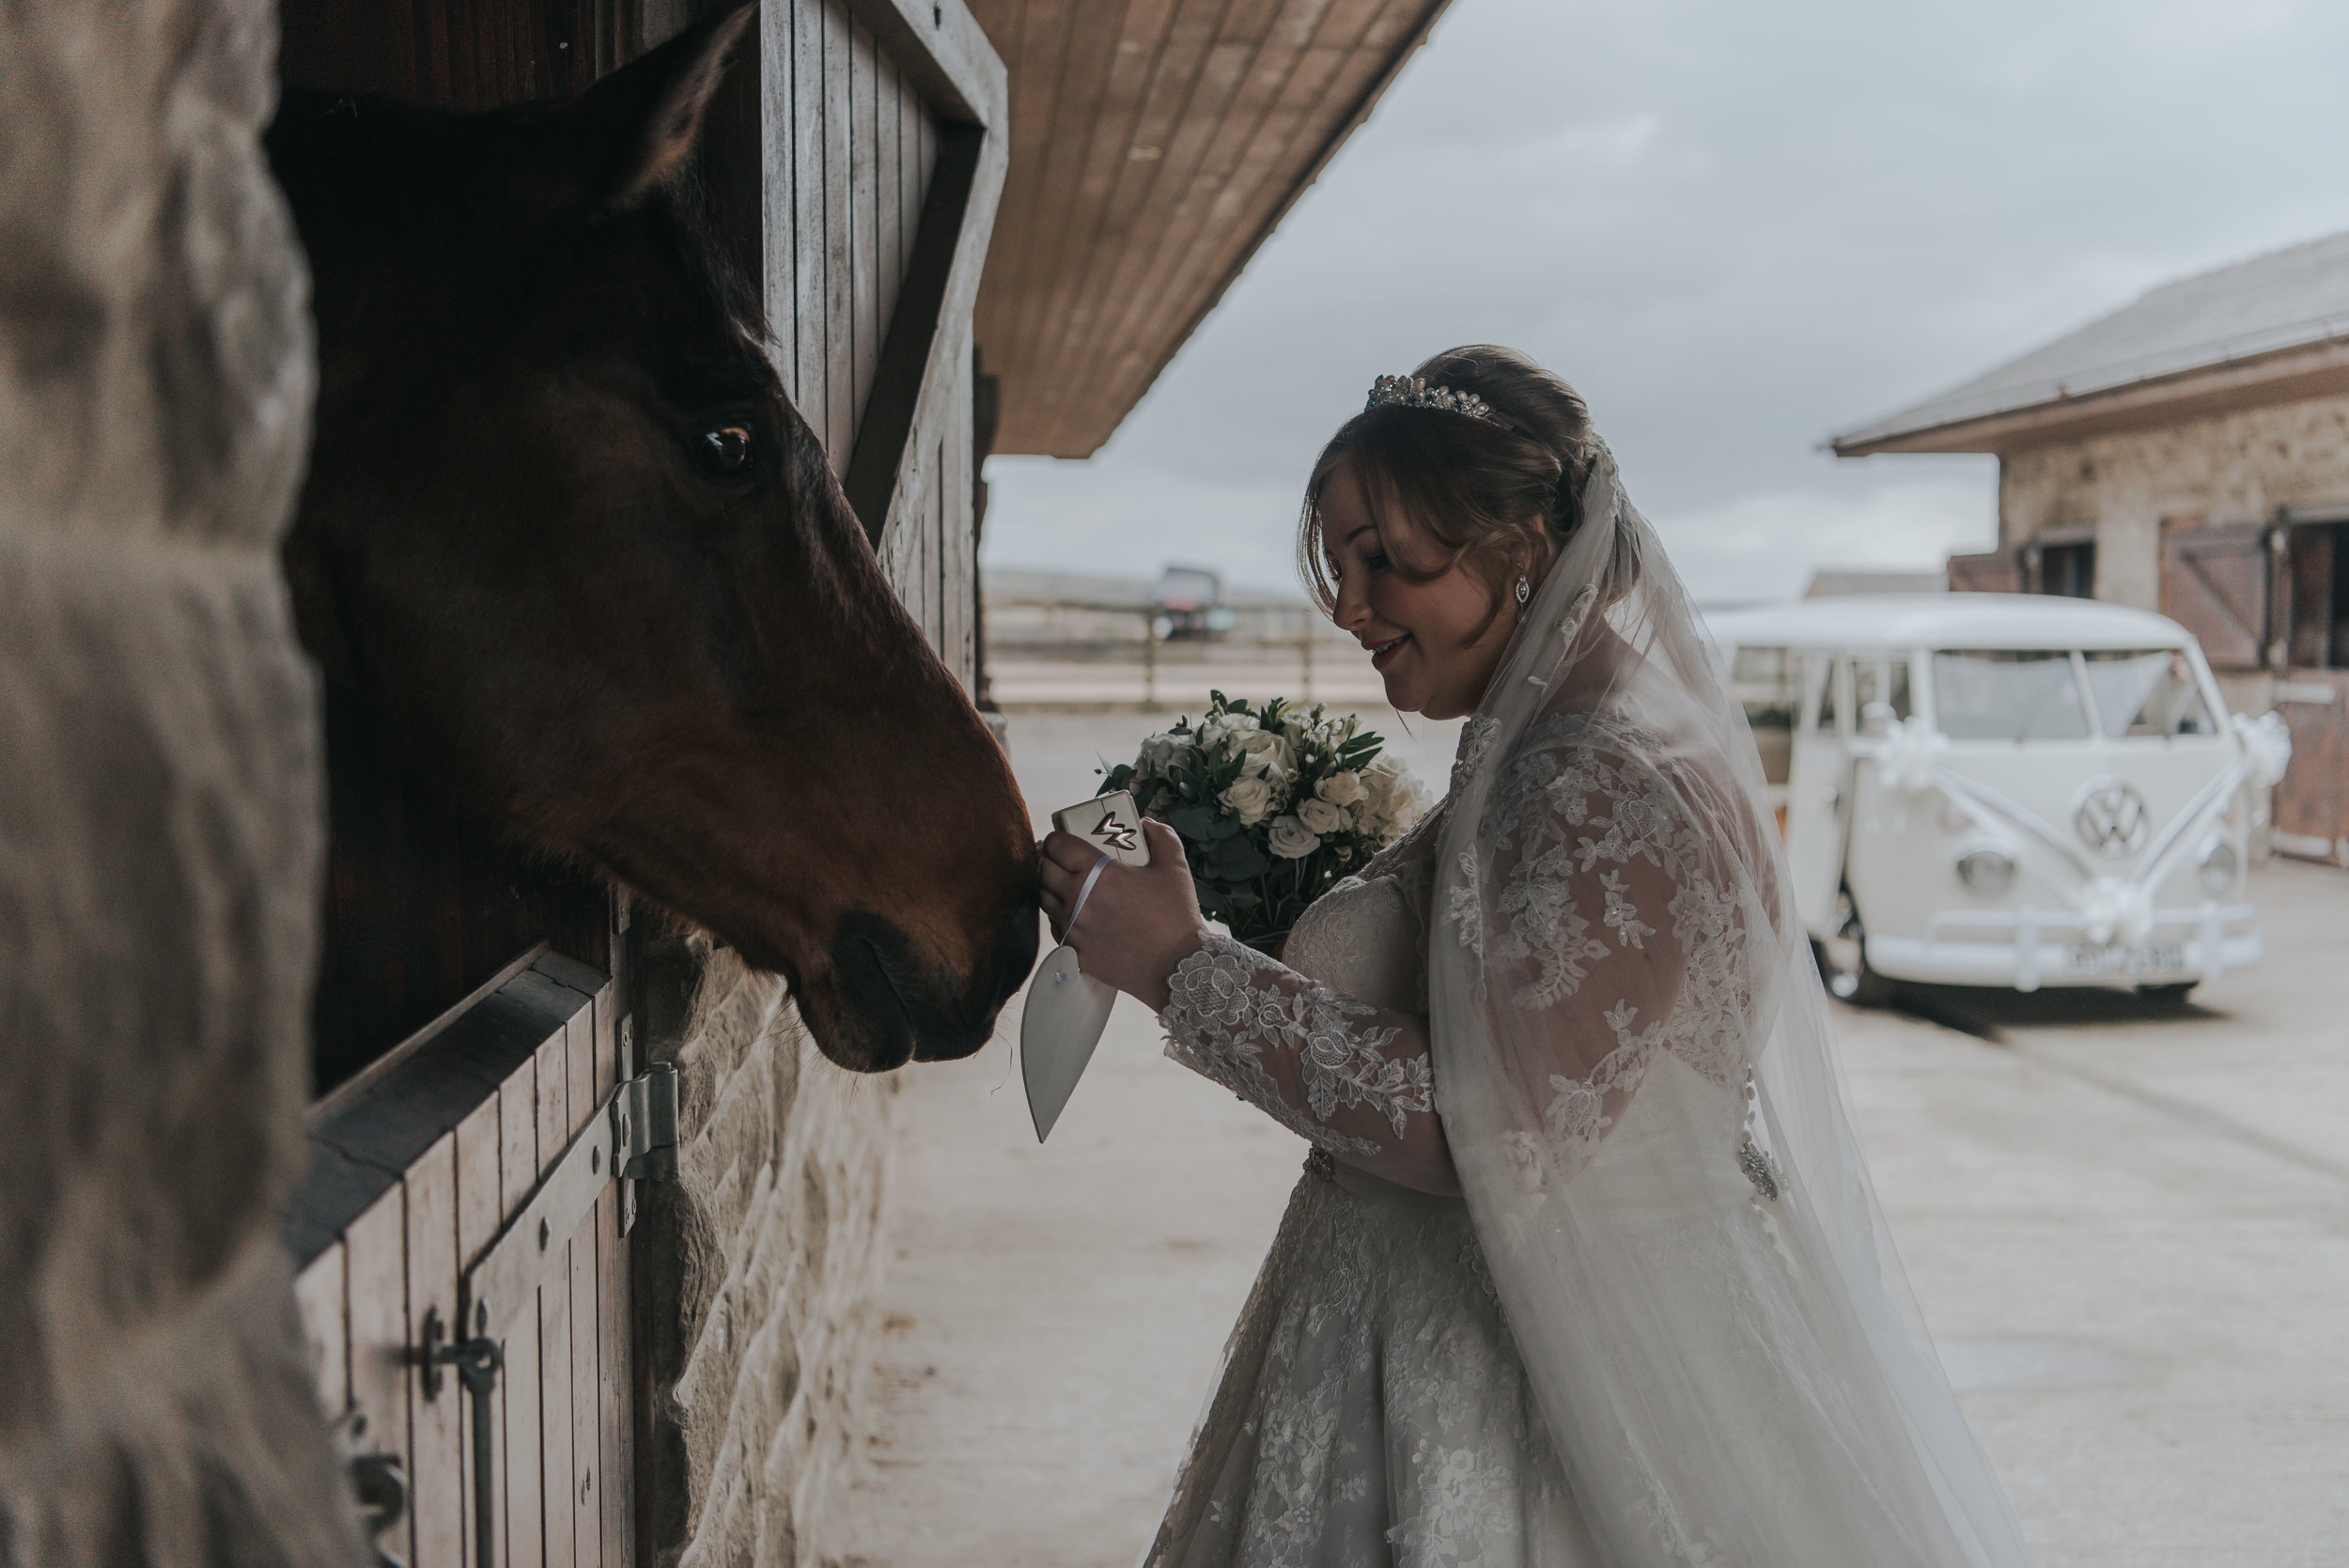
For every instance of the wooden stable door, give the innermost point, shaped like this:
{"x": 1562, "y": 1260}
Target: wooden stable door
{"x": 421, "y": 1172}
{"x": 2312, "y": 804}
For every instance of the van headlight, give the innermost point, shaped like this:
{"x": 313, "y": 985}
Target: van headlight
{"x": 1986, "y": 871}
{"x": 2219, "y": 865}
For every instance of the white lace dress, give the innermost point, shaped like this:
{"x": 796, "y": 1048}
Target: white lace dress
{"x": 1372, "y": 1410}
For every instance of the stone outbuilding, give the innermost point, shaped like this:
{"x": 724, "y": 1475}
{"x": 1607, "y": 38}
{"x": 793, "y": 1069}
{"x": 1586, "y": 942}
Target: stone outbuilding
{"x": 2188, "y": 453}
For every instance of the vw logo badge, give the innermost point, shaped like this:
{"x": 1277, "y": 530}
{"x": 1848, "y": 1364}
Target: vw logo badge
{"x": 2112, "y": 819}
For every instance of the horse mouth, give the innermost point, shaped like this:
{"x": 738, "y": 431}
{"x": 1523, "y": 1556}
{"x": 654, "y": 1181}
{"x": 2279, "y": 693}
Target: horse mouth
{"x": 891, "y": 1009}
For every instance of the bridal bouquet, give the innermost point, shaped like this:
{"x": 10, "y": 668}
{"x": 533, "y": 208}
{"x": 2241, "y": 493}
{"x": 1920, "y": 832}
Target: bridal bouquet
{"x": 1274, "y": 802}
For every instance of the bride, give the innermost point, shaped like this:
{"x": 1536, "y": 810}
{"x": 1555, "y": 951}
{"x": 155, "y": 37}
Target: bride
{"x": 1585, "y": 1267}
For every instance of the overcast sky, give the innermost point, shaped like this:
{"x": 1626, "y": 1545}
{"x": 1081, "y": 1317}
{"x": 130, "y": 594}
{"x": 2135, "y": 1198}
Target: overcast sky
{"x": 1736, "y": 228}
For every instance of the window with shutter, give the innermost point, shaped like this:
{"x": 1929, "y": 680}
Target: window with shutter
{"x": 2316, "y": 631}
{"x": 2214, "y": 584}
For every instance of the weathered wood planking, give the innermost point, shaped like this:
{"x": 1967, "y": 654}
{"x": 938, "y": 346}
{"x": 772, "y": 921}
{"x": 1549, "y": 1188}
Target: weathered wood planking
{"x": 454, "y": 1140}
{"x": 436, "y": 1472}
{"x": 480, "y": 1215}
{"x": 850, "y": 153}
{"x": 517, "y": 1391}
{"x": 464, "y": 53}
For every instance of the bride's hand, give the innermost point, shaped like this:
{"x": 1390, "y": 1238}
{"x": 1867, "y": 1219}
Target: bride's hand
{"x": 1140, "y": 921}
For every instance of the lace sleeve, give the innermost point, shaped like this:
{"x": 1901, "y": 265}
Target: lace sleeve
{"x": 1351, "y": 1078}
{"x": 1607, "y": 936}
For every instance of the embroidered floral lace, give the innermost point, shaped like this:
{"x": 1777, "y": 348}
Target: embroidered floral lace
{"x": 1616, "y": 932}
{"x": 1351, "y": 1076}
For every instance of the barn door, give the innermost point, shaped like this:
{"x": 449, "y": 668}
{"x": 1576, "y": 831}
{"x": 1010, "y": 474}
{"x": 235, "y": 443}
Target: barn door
{"x": 2218, "y": 582}
{"x": 2312, "y": 804}
{"x": 878, "y": 188}
{"x": 463, "y": 1192}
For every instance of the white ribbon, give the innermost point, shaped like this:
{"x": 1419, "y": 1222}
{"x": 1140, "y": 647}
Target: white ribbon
{"x": 1082, "y": 894}
{"x": 1911, "y": 760}
{"x": 2266, "y": 747}
{"x": 1908, "y": 756}
{"x": 2114, "y": 910}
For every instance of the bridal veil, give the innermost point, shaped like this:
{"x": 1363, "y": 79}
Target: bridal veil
{"x": 1637, "y": 1079}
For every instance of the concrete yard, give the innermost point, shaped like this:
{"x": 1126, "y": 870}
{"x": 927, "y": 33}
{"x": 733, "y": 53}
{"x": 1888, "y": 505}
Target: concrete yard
{"x": 2128, "y": 1225}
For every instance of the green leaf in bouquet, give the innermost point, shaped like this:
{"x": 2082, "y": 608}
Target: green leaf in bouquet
{"x": 1235, "y": 860}
{"x": 1239, "y": 899}
{"x": 1194, "y": 822}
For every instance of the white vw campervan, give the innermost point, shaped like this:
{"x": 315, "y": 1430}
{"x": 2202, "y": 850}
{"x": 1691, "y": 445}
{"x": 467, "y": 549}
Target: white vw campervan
{"x": 1995, "y": 789}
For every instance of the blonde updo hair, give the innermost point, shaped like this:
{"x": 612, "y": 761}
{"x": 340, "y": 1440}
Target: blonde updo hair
{"x": 1490, "y": 493}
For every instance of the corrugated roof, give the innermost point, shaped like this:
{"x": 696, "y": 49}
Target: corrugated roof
{"x": 2287, "y": 299}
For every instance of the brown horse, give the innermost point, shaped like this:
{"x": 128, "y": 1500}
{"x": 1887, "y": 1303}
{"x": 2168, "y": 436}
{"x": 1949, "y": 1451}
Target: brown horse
{"x": 579, "y": 557}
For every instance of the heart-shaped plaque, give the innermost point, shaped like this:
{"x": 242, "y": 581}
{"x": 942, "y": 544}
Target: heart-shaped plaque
{"x": 1066, "y": 1011}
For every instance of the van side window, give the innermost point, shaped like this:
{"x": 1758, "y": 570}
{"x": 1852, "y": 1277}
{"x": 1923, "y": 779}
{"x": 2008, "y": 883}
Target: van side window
{"x": 1769, "y": 684}
{"x": 1828, "y": 720}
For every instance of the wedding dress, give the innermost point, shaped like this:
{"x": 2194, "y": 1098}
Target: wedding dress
{"x": 1662, "y": 1324}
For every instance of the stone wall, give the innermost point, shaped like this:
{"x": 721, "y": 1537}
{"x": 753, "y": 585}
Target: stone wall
{"x": 771, "y": 1238}
{"x": 160, "y": 818}
{"x": 2224, "y": 469}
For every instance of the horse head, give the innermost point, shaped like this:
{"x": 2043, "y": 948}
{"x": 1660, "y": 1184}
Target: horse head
{"x": 570, "y": 545}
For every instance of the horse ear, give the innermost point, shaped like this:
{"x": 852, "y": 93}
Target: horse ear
{"x": 642, "y": 120}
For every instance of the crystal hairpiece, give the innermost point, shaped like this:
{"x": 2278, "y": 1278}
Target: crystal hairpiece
{"x": 1411, "y": 392}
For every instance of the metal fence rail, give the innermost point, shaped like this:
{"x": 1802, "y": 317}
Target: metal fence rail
{"x": 1078, "y": 654}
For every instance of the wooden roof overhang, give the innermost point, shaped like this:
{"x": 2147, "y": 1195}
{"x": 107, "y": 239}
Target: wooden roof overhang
{"x": 2260, "y": 380}
{"x": 1155, "y": 144}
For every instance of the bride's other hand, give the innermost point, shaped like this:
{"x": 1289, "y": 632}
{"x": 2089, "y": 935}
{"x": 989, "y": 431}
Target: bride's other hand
{"x": 1140, "y": 921}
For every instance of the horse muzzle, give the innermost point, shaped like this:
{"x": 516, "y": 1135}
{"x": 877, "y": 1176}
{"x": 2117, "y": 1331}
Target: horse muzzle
{"x": 888, "y": 1007}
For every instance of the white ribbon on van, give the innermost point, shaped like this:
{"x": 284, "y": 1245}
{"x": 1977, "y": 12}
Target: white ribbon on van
{"x": 1908, "y": 756}
{"x": 1911, "y": 760}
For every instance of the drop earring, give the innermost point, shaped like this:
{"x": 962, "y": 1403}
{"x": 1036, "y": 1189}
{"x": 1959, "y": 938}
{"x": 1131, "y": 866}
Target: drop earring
{"x": 1525, "y": 589}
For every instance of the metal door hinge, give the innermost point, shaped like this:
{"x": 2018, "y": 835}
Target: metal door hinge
{"x": 645, "y": 1146}
{"x": 633, "y": 1134}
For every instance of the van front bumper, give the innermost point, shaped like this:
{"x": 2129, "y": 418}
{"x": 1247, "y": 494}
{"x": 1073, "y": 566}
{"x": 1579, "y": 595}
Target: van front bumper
{"x": 2027, "y": 949}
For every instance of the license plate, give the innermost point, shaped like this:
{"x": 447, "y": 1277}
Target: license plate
{"x": 2160, "y": 958}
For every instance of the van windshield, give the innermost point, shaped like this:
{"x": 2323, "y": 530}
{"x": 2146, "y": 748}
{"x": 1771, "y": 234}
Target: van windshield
{"x": 2008, "y": 695}
{"x": 2152, "y": 693}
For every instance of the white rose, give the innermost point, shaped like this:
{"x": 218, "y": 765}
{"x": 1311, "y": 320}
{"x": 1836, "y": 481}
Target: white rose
{"x": 1229, "y": 727}
{"x": 1340, "y": 789}
{"x": 1322, "y": 817}
{"x": 1405, "y": 801}
{"x": 1247, "y": 800}
{"x": 1264, "y": 752}
{"x": 1289, "y": 840}
{"x": 1161, "y": 751}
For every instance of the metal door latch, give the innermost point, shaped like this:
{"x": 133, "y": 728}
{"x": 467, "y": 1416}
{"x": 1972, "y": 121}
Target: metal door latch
{"x": 380, "y": 1486}
{"x": 478, "y": 1361}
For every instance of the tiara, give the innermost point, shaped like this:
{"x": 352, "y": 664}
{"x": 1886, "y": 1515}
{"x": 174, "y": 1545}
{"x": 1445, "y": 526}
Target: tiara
{"x": 1411, "y": 392}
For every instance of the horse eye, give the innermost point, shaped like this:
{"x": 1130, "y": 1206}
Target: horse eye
{"x": 725, "y": 451}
